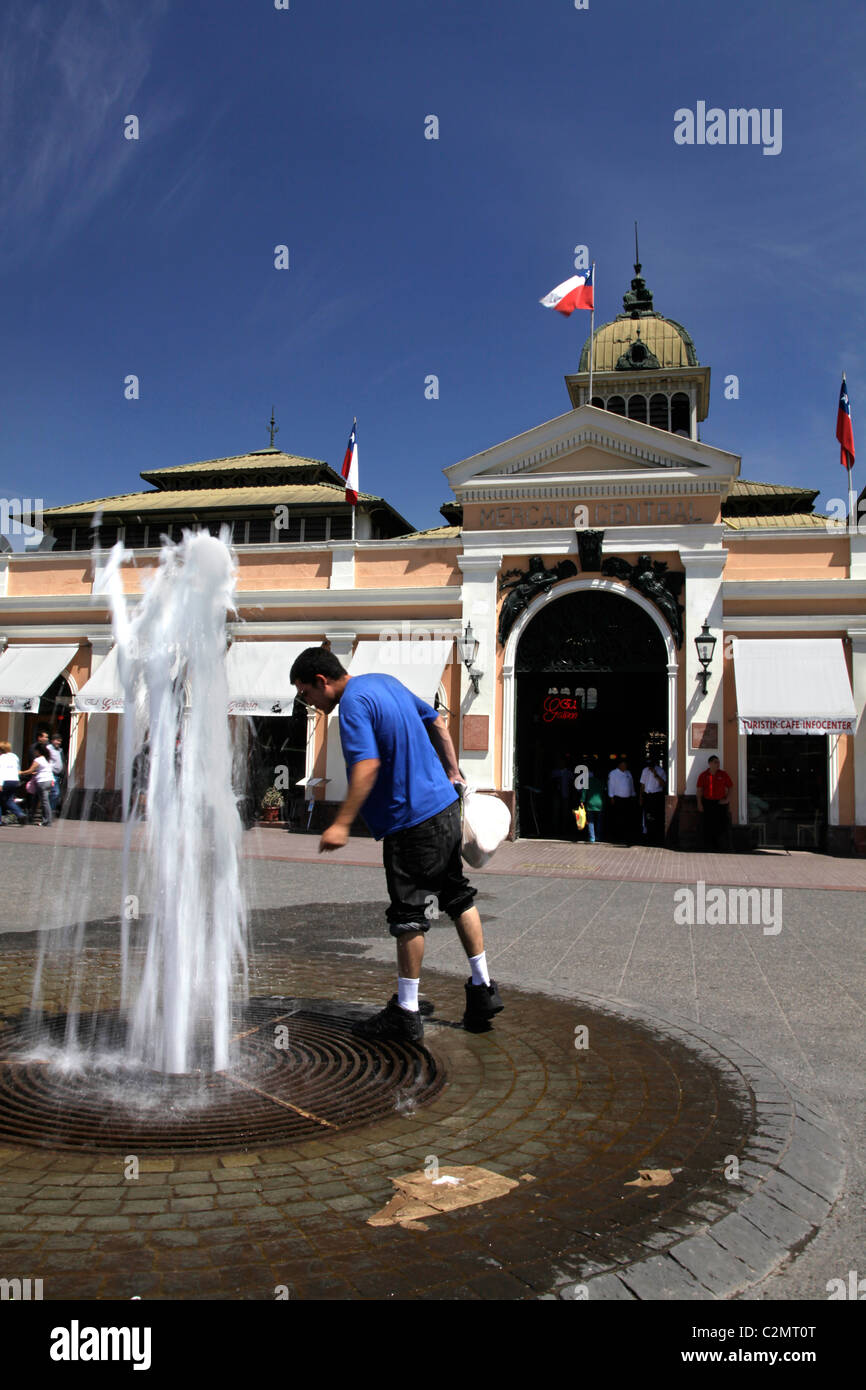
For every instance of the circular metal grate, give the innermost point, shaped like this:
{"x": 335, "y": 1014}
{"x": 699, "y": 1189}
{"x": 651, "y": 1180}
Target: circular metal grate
{"x": 301, "y": 1073}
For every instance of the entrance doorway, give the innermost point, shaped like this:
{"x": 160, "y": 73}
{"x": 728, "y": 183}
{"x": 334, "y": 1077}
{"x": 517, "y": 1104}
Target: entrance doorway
{"x": 787, "y": 789}
{"x": 591, "y": 674}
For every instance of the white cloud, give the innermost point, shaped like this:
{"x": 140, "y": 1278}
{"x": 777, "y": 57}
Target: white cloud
{"x": 65, "y": 86}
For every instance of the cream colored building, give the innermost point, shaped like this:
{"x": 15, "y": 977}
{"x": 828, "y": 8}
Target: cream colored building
{"x": 587, "y": 554}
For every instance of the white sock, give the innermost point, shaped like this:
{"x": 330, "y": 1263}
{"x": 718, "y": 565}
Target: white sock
{"x": 407, "y": 994}
{"x": 480, "y": 973}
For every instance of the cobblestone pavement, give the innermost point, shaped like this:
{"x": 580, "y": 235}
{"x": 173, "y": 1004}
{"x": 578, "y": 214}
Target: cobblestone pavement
{"x": 758, "y": 1035}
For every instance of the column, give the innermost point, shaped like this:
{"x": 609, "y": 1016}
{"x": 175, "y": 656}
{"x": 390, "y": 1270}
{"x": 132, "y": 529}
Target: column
{"x": 342, "y": 646}
{"x": 703, "y": 595}
{"x": 479, "y": 608}
{"x": 858, "y": 687}
{"x": 96, "y": 740}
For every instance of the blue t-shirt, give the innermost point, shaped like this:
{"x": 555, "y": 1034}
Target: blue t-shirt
{"x": 380, "y": 718}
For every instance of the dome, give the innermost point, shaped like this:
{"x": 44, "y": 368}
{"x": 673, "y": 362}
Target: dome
{"x": 639, "y": 339}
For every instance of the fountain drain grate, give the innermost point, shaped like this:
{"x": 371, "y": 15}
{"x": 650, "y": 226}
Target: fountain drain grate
{"x": 320, "y": 1080}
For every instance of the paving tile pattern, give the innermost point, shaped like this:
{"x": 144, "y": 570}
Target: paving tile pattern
{"x": 574, "y": 1124}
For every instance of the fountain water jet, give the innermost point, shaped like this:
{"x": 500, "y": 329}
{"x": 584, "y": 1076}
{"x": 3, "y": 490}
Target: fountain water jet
{"x": 179, "y": 1001}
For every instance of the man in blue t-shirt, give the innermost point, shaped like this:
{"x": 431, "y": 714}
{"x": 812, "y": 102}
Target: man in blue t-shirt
{"x": 402, "y": 771}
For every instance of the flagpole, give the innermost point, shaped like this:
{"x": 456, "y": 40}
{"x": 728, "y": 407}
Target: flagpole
{"x": 591, "y": 335}
{"x": 852, "y": 500}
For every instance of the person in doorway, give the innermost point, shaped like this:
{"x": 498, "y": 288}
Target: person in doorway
{"x": 623, "y": 801}
{"x": 561, "y": 779}
{"x": 402, "y": 771}
{"x": 593, "y": 800}
{"x": 40, "y": 771}
{"x": 713, "y": 794}
{"x": 10, "y": 783}
{"x": 653, "y": 780}
{"x": 54, "y": 753}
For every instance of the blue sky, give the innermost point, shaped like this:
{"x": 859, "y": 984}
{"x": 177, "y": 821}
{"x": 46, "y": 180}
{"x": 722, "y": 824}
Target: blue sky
{"x": 409, "y": 256}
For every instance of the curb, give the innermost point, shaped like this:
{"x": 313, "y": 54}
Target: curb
{"x": 792, "y": 1173}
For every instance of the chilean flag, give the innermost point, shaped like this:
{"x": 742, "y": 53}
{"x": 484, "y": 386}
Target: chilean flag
{"x": 572, "y": 294}
{"x": 350, "y": 466}
{"x": 844, "y": 430}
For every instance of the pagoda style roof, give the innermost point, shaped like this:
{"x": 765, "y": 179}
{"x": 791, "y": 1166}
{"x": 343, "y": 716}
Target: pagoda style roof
{"x": 750, "y": 499}
{"x": 258, "y": 468}
{"x": 214, "y": 499}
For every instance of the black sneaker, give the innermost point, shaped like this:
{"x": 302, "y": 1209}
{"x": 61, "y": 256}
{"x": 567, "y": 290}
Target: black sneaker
{"x": 393, "y": 1024}
{"x": 482, "y": 1002}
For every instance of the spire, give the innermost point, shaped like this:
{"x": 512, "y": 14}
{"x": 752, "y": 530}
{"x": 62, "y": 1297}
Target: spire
{"x": 274, "y": 429}
{"x": 638, "y": 301}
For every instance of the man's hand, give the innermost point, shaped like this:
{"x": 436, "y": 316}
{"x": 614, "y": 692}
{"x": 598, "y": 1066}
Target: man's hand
{"x": 335, "y": 837}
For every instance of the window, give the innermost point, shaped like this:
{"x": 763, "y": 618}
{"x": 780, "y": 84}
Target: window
{"x": 616, "y": 404}
{"x": 64, "y": 538}
{"x": 658, "y": 411}
{"x": 681, "y": 414}
{"x": 134, "y": 535}
{"x": 596, "y": 400}
{"x": 637, "y": 408}
{"x": 260, "y": 530}
{"x": 341, "y": 528}
{"x": 315, "y": 528}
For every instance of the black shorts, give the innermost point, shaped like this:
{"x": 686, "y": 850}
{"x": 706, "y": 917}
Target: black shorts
{"x": 424, "y": 871}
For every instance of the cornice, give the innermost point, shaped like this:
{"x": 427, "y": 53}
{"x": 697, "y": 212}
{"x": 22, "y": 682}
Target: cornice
{"x": 575, "y": 488}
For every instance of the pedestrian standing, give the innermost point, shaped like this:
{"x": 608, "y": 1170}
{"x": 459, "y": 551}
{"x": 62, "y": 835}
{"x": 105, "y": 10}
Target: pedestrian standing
{"x": 593, "y": 800}
{"x": 43, "y": 777}
{"x": 54, "y": 753}
{"x": 653, "y": 780}
{"x": 402, "y": 770}
{"x": 623, "y": 801}
{"x": 713, "y": 794}
{"x": 10, "y": 783}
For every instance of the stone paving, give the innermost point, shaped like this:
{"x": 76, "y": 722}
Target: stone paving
{"x": 666, "y": 1003}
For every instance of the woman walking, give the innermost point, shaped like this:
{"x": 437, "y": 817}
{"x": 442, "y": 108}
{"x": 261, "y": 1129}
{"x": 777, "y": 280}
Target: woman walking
{"x": 43, "y": 777}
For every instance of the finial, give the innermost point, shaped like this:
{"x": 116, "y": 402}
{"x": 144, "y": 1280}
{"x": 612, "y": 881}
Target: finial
{"x": 274, "y": 429}
{"x": 636, "y": 253}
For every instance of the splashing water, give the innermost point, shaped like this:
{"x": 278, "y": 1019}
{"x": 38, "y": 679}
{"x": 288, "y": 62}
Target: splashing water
{"x": 178, "y": 999}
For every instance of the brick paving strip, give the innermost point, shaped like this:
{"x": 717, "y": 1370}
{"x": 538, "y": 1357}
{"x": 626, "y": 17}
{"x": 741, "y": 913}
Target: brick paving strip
{"x": 543, "y": 858}
{"x": 646, "y": 1093}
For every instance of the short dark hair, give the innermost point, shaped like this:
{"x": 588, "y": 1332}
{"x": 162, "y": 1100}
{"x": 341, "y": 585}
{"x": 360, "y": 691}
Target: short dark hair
{"x": 316, "y": 661}
{"x": 713, "y": 758}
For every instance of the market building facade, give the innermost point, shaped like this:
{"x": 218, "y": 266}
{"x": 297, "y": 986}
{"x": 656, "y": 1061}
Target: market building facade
{"x": 583, "y": 557}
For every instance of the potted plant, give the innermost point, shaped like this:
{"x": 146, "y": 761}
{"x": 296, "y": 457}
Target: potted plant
{"x": 271, "y": 805}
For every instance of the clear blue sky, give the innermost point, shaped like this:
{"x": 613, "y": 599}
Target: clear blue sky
{"x": 410, "y": 256}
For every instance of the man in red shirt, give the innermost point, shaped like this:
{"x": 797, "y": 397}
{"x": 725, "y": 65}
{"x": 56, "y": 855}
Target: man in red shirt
{"x": 714, "y": 787}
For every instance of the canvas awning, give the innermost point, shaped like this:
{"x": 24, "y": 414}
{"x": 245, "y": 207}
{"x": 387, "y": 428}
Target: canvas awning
{"x": 258, "y": 676}
{"x": 417, "y": 663}
{"x": 793, "y": 686}
{"x": 103, "y": 693}
{"x": 26, "y": 673}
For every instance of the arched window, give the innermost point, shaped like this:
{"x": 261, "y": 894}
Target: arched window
{"x": 591, "y": 697}
{"x": 637, "y": 408}
{"x": 681, "y": 421}
{"x": 659, "y": 414}
{"x": 596, "y": 400}
{"x": 616, "y": 404}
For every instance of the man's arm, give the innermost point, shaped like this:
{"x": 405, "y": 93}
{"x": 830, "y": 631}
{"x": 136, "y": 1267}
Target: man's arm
{"x": 441, "y": 740}
{"x": 362, "y": 780}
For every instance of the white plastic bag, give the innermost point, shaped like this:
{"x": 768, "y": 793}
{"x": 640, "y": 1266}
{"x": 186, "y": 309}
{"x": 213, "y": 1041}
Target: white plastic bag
{"x": 486, "y": 823}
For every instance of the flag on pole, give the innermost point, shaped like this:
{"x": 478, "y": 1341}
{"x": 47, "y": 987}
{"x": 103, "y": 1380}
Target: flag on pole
{"x": 844, "y": 430}
{"x": 572, "y": 294}
{"x": 350, "y": 466}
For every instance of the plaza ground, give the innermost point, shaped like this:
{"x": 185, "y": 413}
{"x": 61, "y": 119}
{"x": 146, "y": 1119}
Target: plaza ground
{"x": 582, "y": 931}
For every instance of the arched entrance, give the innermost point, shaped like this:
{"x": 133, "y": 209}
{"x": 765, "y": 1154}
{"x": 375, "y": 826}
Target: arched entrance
{"x": 591, "y": 683}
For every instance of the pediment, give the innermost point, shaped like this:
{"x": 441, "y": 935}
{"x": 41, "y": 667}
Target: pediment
{"x": 589, "y": 441}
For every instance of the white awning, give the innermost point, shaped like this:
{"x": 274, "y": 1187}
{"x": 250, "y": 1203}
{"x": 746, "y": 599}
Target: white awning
{"x": 27, "y": 672}
{"x": 258, "y": 676}
{"x": 796, "y": 685}
{"x": 103, "y": 693}
{"x": 417, "y": 662}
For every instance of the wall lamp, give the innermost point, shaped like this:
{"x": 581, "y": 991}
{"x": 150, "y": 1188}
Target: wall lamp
{"x": 706, "y": 645}
{"x": 468, "y": 647}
